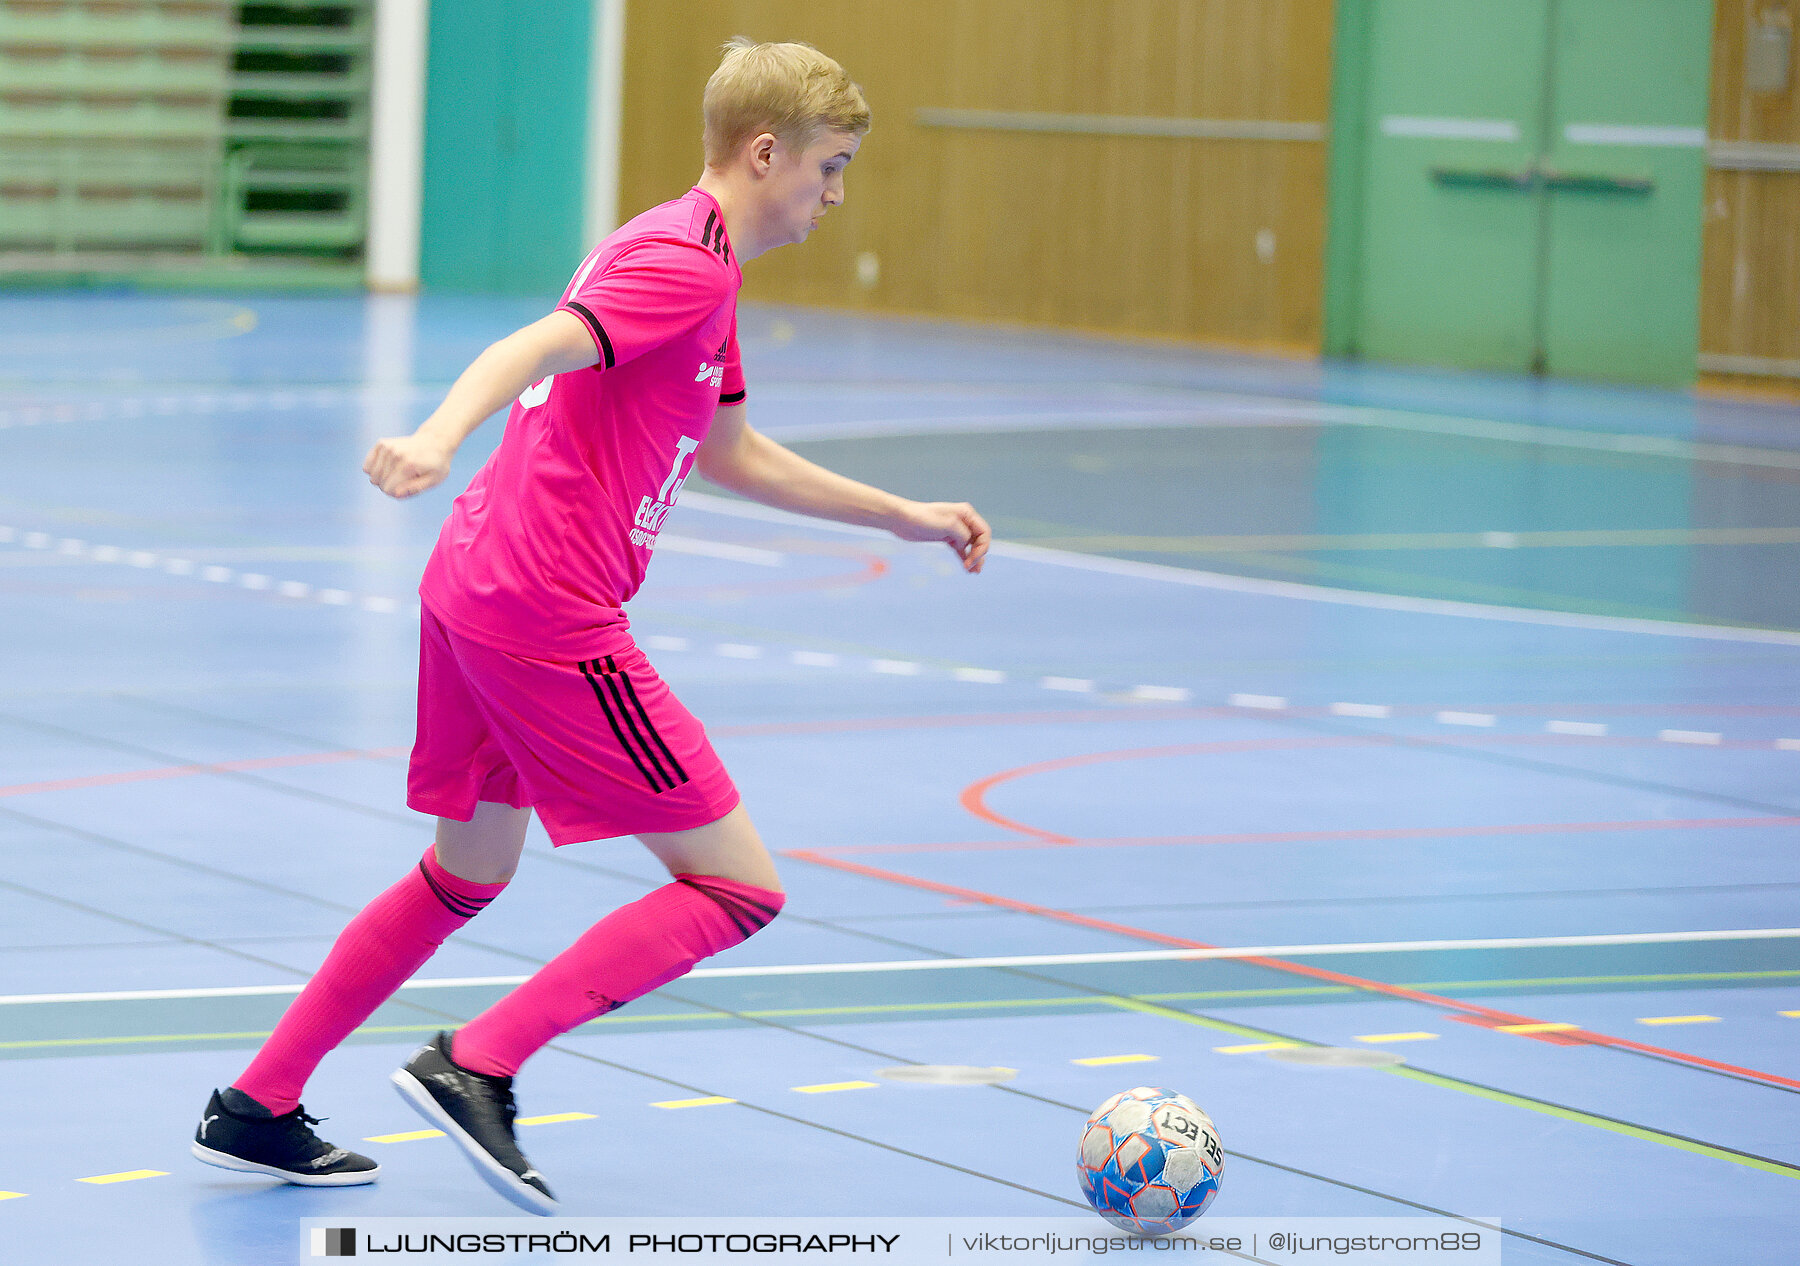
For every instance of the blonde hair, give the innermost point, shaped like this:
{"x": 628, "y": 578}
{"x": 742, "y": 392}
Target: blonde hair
{"x": 791, "y": 90}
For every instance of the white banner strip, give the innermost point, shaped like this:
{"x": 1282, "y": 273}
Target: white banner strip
{"x": 1458, "y": 1240}
{"x": 1752, "y": 156}
{"x": 1626, "y": 134}
{"x": 1187, "y": 129}
{"x": 1450, "y": 129}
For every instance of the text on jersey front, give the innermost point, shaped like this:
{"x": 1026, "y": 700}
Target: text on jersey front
{"x": 652, "y": 511}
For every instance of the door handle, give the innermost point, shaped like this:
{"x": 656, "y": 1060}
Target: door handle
{"x": 1596, "y": 182}
{"x": 1527, "y": 179}
{"x": 1485, "y": 178}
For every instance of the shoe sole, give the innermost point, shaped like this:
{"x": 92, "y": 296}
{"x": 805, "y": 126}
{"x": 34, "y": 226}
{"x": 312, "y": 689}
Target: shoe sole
{"x": 224, "y": 1160}
{"x": 492, "y": 1172}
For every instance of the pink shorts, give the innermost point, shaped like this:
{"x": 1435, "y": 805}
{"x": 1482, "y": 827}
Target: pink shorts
{"x": 600, "y": 748}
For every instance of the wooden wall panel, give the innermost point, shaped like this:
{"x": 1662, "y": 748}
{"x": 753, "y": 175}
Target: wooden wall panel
{"x": 1131, "y": 234}
{"x": 1750, "y": 273}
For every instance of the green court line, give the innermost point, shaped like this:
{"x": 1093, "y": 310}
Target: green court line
{"x": 193, "y": 1037}
{"x": 787, "y": 1013}
{"x": 1662, "y": 978}
{"x": 791, "y": 1013}
{"x": 1644, "y": 1133}
{"x": 1587, "y": 1118}
{"x": 1371, "y": 541}
{"x": 1375, "y": 579}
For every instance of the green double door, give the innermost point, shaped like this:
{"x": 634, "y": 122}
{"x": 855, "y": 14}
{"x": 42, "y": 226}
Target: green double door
{"x": 505, "y": 143}
{"x": 1530, "y": 184}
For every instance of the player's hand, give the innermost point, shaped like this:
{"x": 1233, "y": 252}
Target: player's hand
{"x": 406, "y": 465}
{"x": 955, "y": 523}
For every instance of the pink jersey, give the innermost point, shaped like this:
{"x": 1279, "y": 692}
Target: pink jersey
{"x": 540, "y": 555}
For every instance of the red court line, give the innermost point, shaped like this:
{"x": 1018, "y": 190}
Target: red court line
{"x": 1046, "y": 840}
{"x": 1468, "y": 1012}
{"x": 974, "y": 796}
{"x": 951, "y": 720}
{"x": 975, "y": 719}
{"x": 188, "y": 771}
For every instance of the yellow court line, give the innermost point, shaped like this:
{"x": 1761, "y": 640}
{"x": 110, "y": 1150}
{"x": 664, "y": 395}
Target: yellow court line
{"x": 555, "y": 1118}
{"x": 825, "y": 1088}
{"x": 1540, "y": 1026}
{"x": 130, "y": 1175}
{"x": 1096, "y": 1061}
{"x": 1397, "y": 1037}
{"x": 409, "y": 1137}
{"x": 707, "y": 1102}
{"x": 12, "y": 1195}
{"x": 1254, "y": 1048}
{"x": 1678, "y": 1019}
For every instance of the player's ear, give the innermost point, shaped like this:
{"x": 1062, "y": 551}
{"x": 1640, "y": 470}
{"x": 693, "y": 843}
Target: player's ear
{"x": 762, "y": 153}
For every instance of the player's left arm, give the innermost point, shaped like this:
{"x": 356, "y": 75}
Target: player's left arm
{"x": 737, "y": 456}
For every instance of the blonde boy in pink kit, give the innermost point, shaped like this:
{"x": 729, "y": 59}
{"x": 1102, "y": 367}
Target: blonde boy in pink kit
{"x": 532, "y": 693}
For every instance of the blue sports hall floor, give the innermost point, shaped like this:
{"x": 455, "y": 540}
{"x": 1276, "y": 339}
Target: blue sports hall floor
{"x": 1462, "y": 712}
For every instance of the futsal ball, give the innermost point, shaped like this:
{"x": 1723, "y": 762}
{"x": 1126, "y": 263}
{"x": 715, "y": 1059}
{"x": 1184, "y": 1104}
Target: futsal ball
{"x": 1150, "y": 1161}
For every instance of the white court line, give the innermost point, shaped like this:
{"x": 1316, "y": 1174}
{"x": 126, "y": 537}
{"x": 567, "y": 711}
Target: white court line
{"x": 1173, "y": 417}
{"x": 1015, "y": 960}
{"x": 1591, "y": 729}
{"x": 1205, "y": 409}
{"x": 72, "y": 547}
{"x": 1268, "y": 703}
{"x": 719, "y": 549}
{"x": 1201, "y": 408}
{"x": 1287, "y": 588}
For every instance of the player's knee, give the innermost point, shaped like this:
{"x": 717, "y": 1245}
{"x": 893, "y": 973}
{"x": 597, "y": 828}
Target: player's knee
{"x": 748, "y": 907}
{"x": 476, "y": 869}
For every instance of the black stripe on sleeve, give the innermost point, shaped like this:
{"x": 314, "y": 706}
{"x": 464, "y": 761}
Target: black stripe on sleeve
{"x": 735, "y": 397}
{"x": 606, "y": 347}
{"x": 617, "y": 729}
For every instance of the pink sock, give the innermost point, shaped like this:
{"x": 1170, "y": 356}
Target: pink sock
{"x": 376, "y": 954}
{"x": 624, "y": 956}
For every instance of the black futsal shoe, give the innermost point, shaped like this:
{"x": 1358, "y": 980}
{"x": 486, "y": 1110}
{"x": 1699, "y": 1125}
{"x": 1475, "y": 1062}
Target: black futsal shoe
{"x": 282, "y": 1147}
{"x": 477, "y": 1111}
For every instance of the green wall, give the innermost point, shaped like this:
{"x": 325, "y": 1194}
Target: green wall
{"x": 505, "y": 145}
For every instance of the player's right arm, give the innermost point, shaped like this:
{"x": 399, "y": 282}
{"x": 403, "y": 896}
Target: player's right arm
{"x": 405, "y": 465}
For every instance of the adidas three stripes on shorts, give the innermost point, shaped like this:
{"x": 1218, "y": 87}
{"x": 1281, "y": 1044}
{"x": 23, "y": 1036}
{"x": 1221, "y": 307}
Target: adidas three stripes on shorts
{"x": 599, "y": 748}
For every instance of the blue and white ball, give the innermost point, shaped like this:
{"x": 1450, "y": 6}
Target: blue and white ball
{"x": 1150, "y": 1161}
